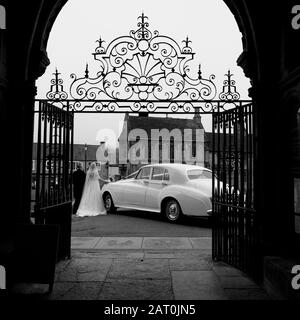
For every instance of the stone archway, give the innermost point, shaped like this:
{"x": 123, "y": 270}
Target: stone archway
{"x": 270, "y": 58}
{"x": 49, "y": 12}
{"x": 244, "y": 58}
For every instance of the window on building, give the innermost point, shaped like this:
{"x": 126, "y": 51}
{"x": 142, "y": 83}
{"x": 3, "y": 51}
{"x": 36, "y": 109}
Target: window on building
{"x": 172, "y": 151}
{"x": 160, "y": 144}
{"x": 33, "y": 165}
{"x": 2, "y": 17}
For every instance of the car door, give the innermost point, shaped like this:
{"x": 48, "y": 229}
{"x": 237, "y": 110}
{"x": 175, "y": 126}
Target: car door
{"x": 158, "y": 181}
{"x": 134, "y": 195}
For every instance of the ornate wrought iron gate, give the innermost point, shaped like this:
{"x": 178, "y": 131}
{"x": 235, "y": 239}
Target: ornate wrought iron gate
{"x": 235, "y": 227}
{"x": 148, "y": 72}
{"x": 54, "y": 155}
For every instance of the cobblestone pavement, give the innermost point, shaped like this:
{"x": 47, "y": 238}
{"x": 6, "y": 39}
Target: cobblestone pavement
{"x": 148, "y": 269}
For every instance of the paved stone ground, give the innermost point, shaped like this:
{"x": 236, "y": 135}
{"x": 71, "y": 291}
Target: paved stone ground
{"x": 147, "y": 269}
{"x": 127, "y": 223}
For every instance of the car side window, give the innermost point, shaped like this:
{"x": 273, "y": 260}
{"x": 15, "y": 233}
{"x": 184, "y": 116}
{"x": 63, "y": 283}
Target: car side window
{"x": 166, "y": 175}
{"x": 157, "y": 174}
{"x": 144, "y": 173}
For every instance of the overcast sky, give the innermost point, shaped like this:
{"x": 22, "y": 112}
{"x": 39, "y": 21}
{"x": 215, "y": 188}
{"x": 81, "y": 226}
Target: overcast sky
{"x": 209, "y": 24}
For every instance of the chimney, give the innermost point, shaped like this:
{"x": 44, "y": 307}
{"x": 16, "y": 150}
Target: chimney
{"x": 197, "y": 118}
{"x": 197, "y": 114}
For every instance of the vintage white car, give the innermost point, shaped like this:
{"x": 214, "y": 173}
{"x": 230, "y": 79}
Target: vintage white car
{"x": 171, "y": 189}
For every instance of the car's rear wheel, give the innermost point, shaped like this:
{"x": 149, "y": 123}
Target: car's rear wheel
{"x": 172, "y": 210}
{"x": 109, "y": 204}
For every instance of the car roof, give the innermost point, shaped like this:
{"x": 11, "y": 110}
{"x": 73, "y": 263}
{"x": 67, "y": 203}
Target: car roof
{"x": 175, "y": 166}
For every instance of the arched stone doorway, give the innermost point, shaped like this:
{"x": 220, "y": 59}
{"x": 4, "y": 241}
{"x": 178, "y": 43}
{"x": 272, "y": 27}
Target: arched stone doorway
{"x": 268, "y": 59}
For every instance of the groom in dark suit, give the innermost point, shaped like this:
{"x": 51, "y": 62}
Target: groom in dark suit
{"x": 78, "y": 183}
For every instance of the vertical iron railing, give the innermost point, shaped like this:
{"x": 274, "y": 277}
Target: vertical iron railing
{"x": 54, "y": 156}
{"x": 235, "y": 228}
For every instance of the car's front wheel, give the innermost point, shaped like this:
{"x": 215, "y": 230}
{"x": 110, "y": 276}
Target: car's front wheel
{"x": 109, "y": 204}
{"x": 172, "y": 210}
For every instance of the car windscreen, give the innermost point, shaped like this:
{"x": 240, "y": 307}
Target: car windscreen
{"x": 131, "y": 176}
{"x": 199, "y": 174}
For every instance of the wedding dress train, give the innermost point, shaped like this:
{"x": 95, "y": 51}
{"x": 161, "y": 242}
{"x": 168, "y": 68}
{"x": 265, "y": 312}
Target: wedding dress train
{"x": 91, "y": 203}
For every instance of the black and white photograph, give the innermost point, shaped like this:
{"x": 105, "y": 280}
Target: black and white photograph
{"x": 150, "y": 153}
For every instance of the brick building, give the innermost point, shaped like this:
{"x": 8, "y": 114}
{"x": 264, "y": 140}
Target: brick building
{"x": 198, "y": 146}
{"x": 145, "y": 139}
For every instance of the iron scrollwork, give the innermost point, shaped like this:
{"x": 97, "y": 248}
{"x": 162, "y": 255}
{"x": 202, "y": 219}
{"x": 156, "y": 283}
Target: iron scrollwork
{"x": 144, "y": 71}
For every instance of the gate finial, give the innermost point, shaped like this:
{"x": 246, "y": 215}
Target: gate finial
{"x": 187, "y": 48}
{"x": 199, "y": 72}
{"x": 87, "y": 71}
{"x": 56, "y": 91}
{"x": 229, "y": 92}
{"x": 143, "y": 25}
{"x": 100, "y": 48}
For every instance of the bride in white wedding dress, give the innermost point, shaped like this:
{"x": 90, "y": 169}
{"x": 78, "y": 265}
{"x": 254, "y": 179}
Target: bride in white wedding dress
{"x": 91, "y": 203}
